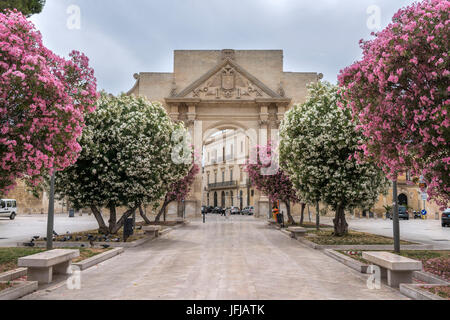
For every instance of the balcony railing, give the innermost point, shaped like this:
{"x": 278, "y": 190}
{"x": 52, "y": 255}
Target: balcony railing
{"x": 226, "y": 184}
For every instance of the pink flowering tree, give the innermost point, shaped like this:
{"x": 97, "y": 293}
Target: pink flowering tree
{"x": 43, "y": 99}
{"x": 275, "y": 184}
{"x": 398, "y": 93}
{"x": 177, "y": 192}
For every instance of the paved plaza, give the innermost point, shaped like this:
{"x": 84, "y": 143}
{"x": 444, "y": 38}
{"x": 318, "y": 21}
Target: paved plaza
{"x": 24, "y": 227}
{"x": 234, "y": 258}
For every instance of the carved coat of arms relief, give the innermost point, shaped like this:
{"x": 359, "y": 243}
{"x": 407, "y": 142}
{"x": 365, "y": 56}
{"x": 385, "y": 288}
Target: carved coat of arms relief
{"x": 227, "y": 84}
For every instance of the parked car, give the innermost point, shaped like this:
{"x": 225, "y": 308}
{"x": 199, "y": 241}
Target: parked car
{"x": 248, "y": 211}
{"x": 402, "y": 213}
{"x": 228, "y": 210}
{"x": 235, "y": 210}
{"x": 8, "y": 208}
{"x": 446, "y": 217}
{"x": 219, "y": 210}
{"x": 209, "y": 209}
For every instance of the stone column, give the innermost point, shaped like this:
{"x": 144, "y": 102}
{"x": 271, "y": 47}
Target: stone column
{"x": 263, "y": 124}
{"x": 280, "y": 113}
{"x": 194, "y": 200}
{"x": 262, "y": 205}
{"x": 174, "y": 112}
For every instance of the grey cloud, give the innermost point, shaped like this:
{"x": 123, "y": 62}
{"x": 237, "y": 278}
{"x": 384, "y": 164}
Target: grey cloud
{"x": 123, "y": 37}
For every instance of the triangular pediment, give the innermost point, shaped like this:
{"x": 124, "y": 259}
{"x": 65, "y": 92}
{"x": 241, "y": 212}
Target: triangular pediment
{"x": 228, "y": 81}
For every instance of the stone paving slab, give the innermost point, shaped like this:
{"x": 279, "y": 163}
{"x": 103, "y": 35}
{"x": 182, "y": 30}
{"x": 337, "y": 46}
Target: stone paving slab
{"x": 236, "y": 258}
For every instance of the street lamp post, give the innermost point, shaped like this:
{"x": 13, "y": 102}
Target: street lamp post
{"x": 51, "y": 213}
{"x": 395, "y": 218}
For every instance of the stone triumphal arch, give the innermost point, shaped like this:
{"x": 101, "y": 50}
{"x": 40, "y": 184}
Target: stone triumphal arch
{"x": 218, "y": 90}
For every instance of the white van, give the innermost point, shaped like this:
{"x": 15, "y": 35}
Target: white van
{"x": 8, "y": 208}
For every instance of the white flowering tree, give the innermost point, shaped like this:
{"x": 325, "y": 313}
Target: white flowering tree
{"x": 127, "y": 159}
{"x": 317, "y": 150}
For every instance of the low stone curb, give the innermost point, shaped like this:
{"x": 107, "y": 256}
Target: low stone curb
{"x": 365, "y": 247}
{"x": 90, "y": 262}
{"x": 286, "y": 233}
{"x": 13, "y": 274}
{"x": 274, "y": 225}
{"x": 415, "y": 292}
{"x": 429, "y": 278}
{"x": 21, "y": 289}
{"x": 349, "y": 262}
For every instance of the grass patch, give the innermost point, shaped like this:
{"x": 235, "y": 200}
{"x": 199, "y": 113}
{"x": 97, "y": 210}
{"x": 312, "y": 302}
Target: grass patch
{"x": 83, "y": 236}
{"x": 86, "y": 253}
{"x": 435, "y": 262}
{"x": 9, "y": 256}
{"x": 443, "y": 291}
{"x": 5, "y": 285}
{"x": 326, "y": 237}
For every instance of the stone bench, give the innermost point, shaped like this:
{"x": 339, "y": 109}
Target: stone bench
{"x": 152, "y": 230}
{"x": 395, "y": 268}
{"x": 297, "y": 232}
{"x": 42, "y": 266}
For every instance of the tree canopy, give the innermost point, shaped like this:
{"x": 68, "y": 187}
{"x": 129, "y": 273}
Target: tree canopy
{"x": 43, "y": 102}
{"x": 126, "y": 159}
{"x": 318, "y": 143}
{"x": 275, "y": 185}
{"x": 398, "y": 93}
{"x": 27, "y": 7}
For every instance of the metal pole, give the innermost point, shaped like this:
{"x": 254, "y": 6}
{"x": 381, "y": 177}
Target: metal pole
{"x": 51, "y": 213}
{"x": 317, "y": 216}
{"x": 395, "y": 218}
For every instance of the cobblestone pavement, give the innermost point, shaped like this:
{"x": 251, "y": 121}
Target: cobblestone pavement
{"x": 239, "y": 258}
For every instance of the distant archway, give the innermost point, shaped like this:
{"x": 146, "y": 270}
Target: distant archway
{"x": 403, "y": 200}
{"x": 215, "y": 200}
{"x": 223, "y": 199}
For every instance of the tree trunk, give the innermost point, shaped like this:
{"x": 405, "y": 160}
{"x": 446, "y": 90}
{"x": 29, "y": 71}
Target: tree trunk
{"x": 163, "y": 210}
{"x": 302, "y": 216}
{"x": 121, "y": 221}
{"x": 340, "y": 224}
{"x": 317, "y": 216}
{"x": 112, "y": 218}
{"x": 288, "y": 211}
{"x": 143, "y": 215}
{"x": 102, "y": 228}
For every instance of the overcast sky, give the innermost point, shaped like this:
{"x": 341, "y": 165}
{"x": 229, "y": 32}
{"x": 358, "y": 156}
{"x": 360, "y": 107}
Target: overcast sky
{"x": 123, "y": 37}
